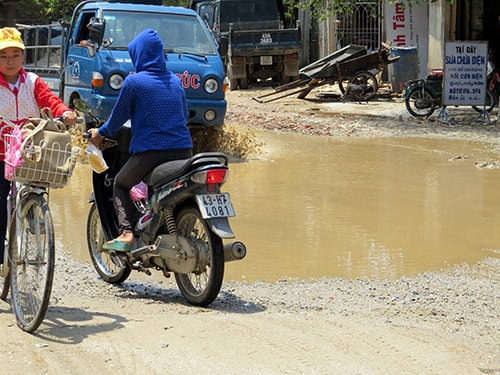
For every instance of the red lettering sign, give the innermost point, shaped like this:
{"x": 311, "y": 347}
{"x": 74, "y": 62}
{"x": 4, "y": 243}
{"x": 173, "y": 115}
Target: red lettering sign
{"x": 189, "y": 80}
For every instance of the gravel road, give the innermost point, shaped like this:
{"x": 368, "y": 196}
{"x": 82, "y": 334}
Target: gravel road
{"x": 435, "y": 323}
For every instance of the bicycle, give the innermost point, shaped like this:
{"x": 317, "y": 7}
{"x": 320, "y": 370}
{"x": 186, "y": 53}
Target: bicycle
{"x": 29, "y": 258}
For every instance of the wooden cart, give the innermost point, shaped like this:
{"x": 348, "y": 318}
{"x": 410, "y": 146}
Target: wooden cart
{"x": 351, "y": 64}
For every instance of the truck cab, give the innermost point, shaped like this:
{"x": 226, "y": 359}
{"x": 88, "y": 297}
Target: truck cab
{"x": 95, "y": 59}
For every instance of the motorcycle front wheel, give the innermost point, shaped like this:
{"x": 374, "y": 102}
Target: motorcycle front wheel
{"x": 200, "y": 287}
{"x": 109, "y": 267}
{"x": 420, "y": 102}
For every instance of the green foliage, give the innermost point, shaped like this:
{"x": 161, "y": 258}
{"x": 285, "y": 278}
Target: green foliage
{"x": 46, "y": 11}
{"x": 321, "y": 9}
{"x": 179, "y": 3}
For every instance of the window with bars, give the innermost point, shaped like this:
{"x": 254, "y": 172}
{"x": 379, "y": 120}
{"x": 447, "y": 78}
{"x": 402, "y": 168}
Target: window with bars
{"x": 360, "y": 25}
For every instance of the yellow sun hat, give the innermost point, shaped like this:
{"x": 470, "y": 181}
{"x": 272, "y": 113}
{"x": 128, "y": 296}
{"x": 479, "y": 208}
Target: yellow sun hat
{"x": 10, "y": 37}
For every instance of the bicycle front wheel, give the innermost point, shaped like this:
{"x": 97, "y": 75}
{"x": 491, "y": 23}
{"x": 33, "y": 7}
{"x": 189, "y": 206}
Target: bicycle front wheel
{"x": 32, "y": 262}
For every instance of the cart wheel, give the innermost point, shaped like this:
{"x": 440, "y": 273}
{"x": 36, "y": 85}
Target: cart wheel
{"x": 361, "y": 78}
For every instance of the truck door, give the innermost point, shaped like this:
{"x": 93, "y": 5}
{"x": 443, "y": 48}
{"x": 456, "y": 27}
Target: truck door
{"x": 80, "y": 57}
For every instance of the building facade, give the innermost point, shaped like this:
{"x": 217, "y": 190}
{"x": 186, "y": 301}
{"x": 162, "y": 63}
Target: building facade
{"x": 427, "y": 27}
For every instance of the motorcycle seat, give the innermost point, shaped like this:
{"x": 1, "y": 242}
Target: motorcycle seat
{"x": 174, "y": 169}
{"x": 435, "y": 77}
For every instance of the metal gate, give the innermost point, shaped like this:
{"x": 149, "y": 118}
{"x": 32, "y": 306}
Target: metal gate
{"x": 361, "y": 24}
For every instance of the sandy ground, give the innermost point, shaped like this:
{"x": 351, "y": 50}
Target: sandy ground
{"x": 435, "y": 323}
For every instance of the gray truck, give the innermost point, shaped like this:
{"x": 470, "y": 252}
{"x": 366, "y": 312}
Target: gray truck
{"x": 260, "y": 47}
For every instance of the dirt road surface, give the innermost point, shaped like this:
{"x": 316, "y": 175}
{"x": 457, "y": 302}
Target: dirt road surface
{"x": 435, "y": 323}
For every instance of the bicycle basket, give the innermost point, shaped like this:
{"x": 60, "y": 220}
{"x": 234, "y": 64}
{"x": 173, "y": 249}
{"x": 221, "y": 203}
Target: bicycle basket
{"x": 48, "y": 156}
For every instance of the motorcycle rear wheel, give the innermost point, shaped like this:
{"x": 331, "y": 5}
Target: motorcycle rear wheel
{"x": 420, "y": 102}
{"x": 491, "y": 102}
{"x": 200, "y": 287}
{"x": 111, "y": 270}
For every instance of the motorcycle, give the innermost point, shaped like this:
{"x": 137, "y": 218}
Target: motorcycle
{"x": 494, "y": 82}
{"x": 181, "y": 222}
{"x": 422, "y": 96}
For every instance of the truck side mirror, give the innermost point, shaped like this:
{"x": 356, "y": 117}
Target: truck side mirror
{"x": 97, "y": 32}
{"x": 223, "y": 46}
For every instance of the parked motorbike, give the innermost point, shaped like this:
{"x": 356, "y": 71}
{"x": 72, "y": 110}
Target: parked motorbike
{"x": 181, "y": 222}
{"x": 494, "y": 82}
{"x": 423, "y": 96}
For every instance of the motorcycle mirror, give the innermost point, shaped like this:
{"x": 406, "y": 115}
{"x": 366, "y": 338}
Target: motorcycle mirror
{"x": 81, "y": 106}
{"x": 97, "y": 31}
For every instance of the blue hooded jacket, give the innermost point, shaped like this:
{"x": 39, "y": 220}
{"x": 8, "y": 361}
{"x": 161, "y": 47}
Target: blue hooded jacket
{"x": 153, "y": 99}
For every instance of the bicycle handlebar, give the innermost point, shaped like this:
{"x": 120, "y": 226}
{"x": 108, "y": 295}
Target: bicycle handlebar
{"x": 79, "y": 120}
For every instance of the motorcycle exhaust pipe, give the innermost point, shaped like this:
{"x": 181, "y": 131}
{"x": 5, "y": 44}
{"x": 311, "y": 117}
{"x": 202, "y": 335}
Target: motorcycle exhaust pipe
{"x": 234, "y": 251}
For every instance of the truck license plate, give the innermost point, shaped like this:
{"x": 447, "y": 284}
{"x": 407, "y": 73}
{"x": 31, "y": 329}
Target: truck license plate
{"x": 215, "y": 205}
{"x": 266, "y": 60}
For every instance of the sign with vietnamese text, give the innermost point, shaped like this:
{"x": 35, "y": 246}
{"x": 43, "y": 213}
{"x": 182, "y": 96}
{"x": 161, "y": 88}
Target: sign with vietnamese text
{"x": 465, "y": 71}
{"x": 408, "y": 26}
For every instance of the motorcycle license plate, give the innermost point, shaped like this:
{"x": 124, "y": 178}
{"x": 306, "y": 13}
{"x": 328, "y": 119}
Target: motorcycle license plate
{"x": 215, "y": 205}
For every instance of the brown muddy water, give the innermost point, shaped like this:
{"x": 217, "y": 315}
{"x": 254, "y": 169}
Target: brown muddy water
{"x": 310, "y": 207}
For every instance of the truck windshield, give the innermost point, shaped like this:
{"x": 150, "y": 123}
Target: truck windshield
{"x": 179, "y": 33}
{"x": 248, "y": 11}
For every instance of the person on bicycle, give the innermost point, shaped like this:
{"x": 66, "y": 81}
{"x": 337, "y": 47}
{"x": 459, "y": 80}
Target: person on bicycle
{"x": 22, "y": 95}
{"x": 154, "y": 101}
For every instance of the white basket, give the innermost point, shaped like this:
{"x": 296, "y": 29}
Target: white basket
{"x": 54, "y": 168}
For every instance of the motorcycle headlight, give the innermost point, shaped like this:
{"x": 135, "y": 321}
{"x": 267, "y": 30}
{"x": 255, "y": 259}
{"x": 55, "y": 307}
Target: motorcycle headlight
{"x": 116, "y": 81}
{"x": 211, "y": 85}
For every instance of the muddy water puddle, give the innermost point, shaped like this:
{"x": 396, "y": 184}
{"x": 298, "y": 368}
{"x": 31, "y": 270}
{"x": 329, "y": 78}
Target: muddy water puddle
{"x": 313, "y": 207}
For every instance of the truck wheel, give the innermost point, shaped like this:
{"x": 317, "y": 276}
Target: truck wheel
{"x": 285, "y": 79}
{"x": 243, "y": 83}
{"x": 233, "y": 84}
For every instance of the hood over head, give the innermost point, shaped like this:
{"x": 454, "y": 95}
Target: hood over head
{"x": 146, "y": 51}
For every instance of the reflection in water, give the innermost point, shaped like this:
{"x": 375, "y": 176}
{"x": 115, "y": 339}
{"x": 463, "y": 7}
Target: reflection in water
{"x": 312, "y": 207}
{"x": 69, "y": 207}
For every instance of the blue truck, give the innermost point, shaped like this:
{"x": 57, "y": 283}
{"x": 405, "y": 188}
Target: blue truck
{"x": 88, "y": 58}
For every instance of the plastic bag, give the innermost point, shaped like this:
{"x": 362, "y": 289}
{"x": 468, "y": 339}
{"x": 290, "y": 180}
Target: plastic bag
{"x": 96, "y": 160}
{"x": 13, "y": 154}
{"x": 139, "y": 191}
